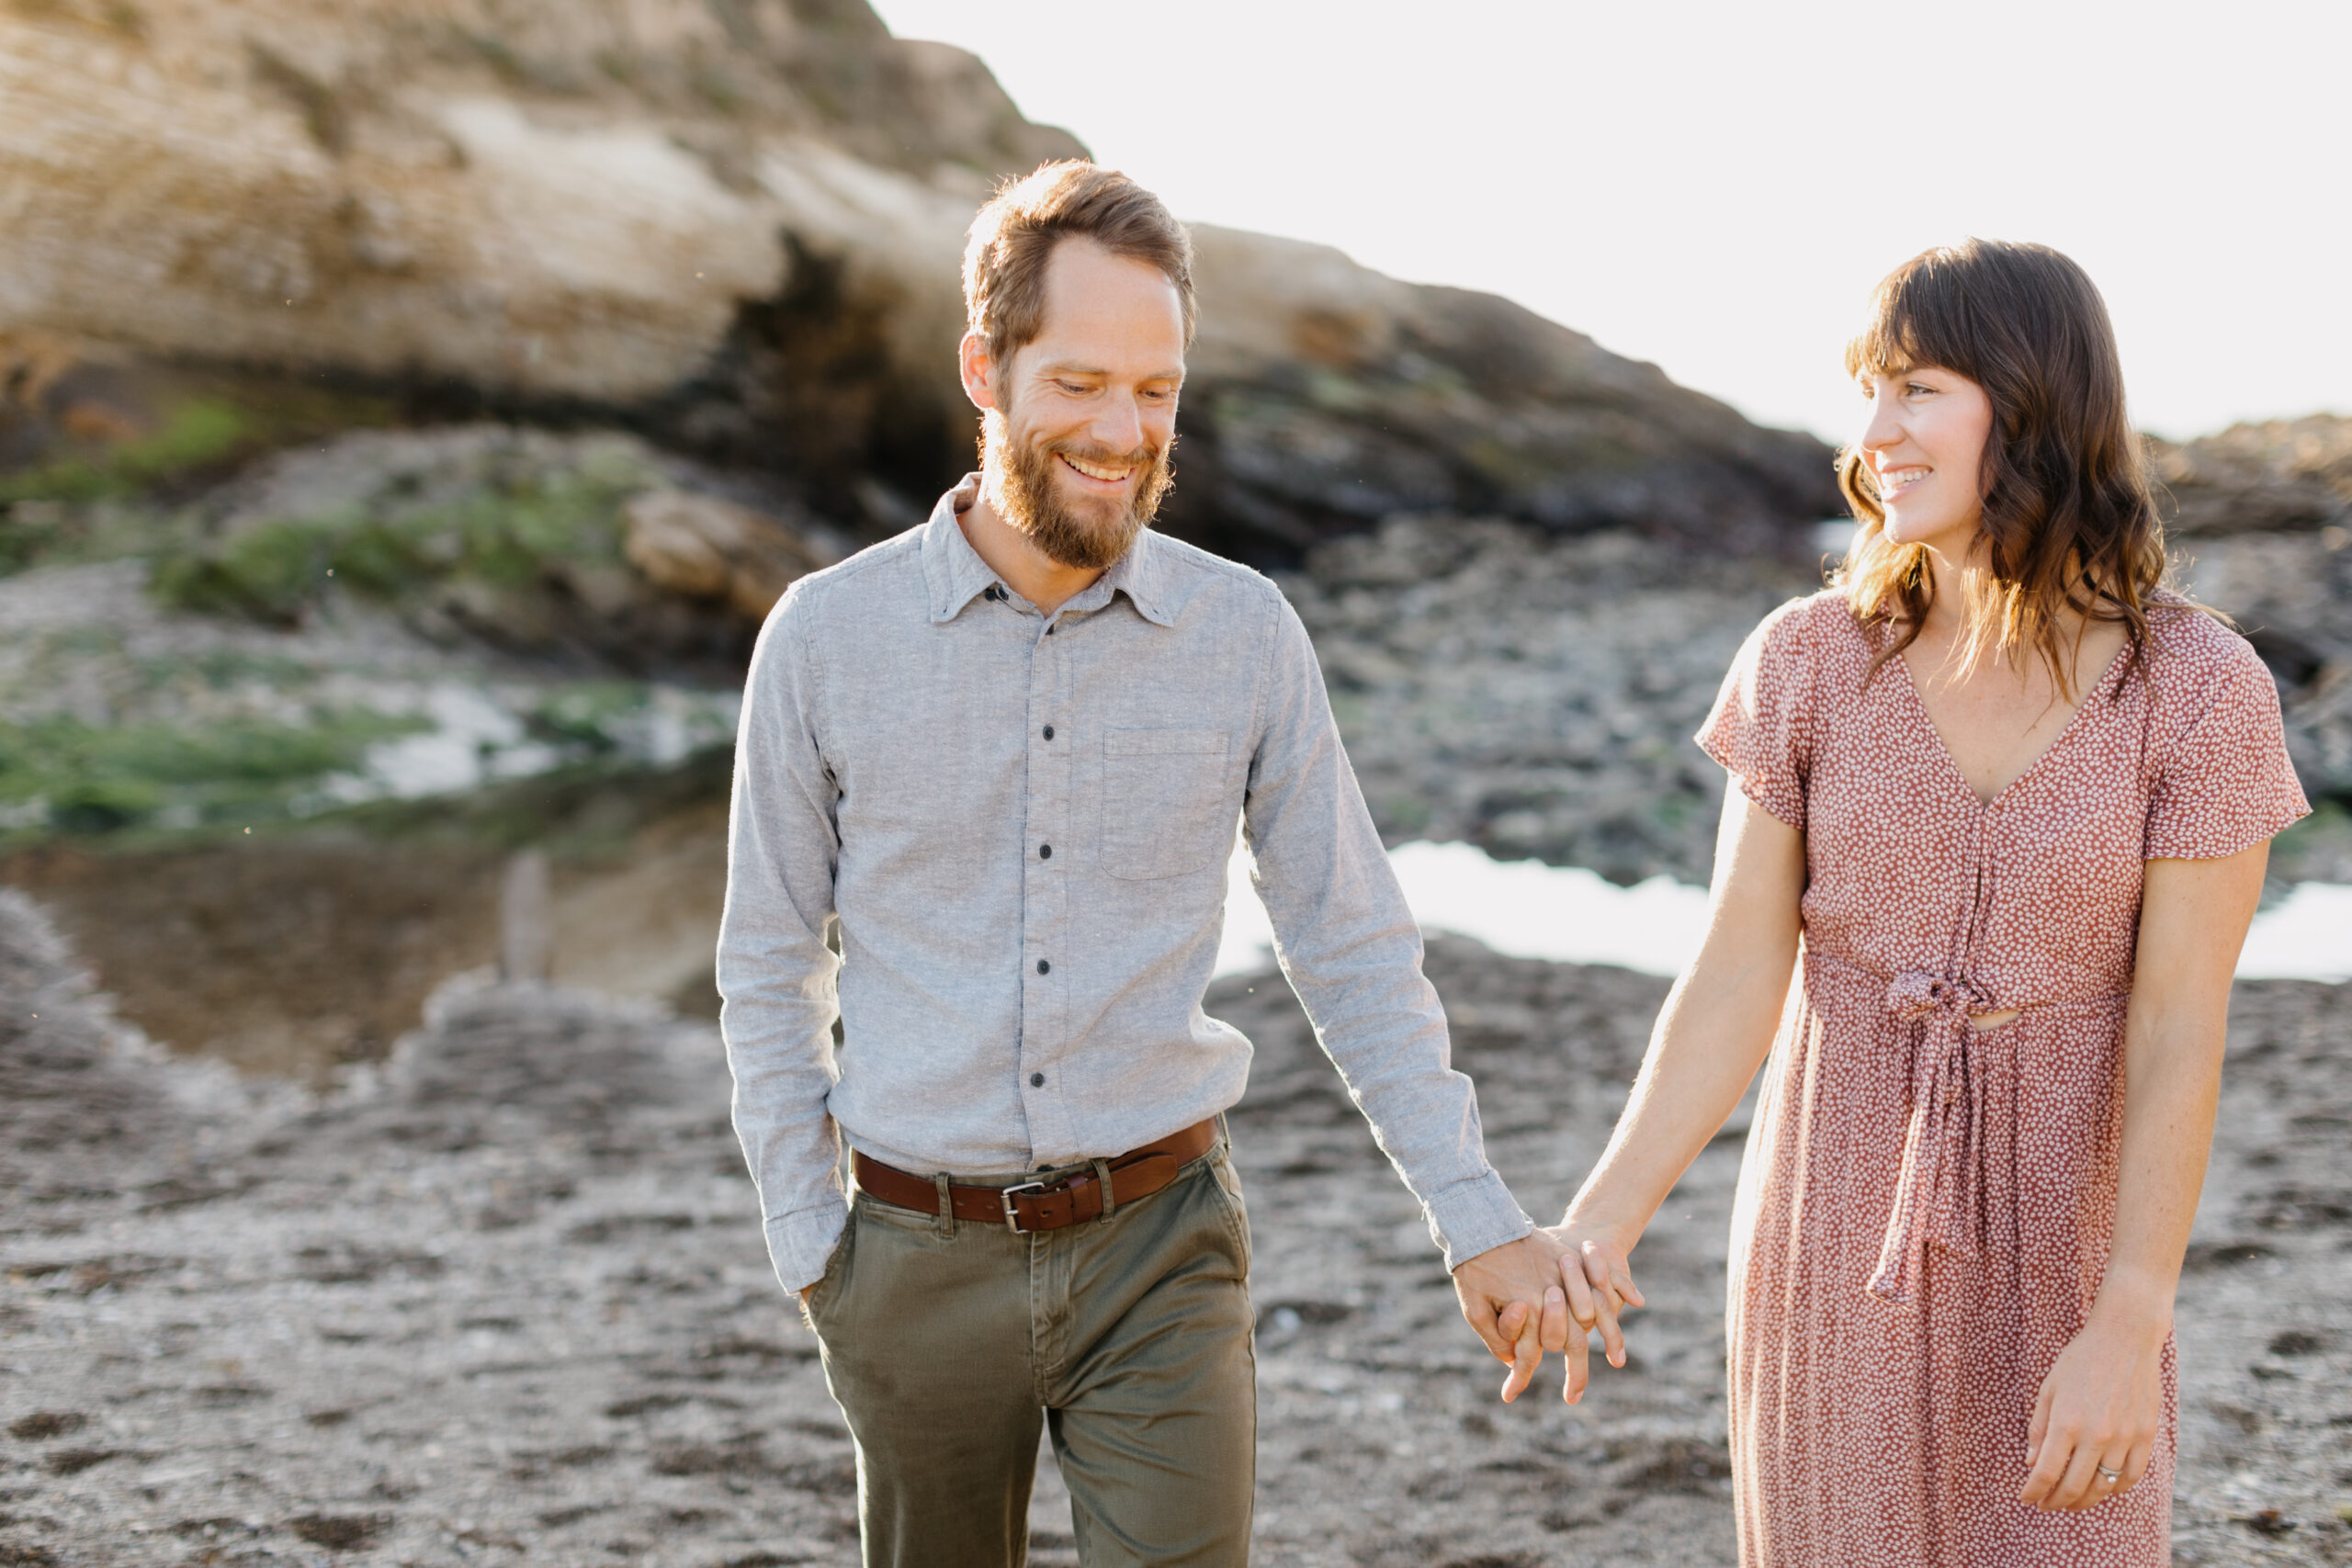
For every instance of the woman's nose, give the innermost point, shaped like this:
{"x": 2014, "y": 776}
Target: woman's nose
{"x": 1881, "y": 429}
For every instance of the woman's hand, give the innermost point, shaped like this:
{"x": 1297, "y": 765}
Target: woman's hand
{"x": 2097, "y": 1410}
{"x": 1597, "y": 1284}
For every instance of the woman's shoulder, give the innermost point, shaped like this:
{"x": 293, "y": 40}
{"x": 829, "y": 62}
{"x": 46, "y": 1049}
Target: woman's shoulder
{"x": 1812, "y": 629}
{"x": 2194, "y": 646}
{"x": 2202, "y": 677}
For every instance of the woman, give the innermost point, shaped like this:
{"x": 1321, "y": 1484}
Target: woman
{"x": 2003, "y": 805}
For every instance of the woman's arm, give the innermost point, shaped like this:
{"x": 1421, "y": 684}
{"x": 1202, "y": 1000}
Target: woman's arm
{"x": 1713, "y": 1031}
{"x": 2101, "y": 1401}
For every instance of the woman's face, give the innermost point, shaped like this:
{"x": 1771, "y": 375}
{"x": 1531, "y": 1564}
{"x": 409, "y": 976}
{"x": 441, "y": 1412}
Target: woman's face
{"x": 1925, "y": 443}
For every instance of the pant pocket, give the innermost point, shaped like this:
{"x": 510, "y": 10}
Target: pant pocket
{"x": 829, "y": 1284}
{"x": 1225, "y": 1191}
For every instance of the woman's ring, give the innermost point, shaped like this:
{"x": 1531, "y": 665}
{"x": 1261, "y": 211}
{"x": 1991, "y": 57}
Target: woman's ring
{"x": 2109, "y": 1476}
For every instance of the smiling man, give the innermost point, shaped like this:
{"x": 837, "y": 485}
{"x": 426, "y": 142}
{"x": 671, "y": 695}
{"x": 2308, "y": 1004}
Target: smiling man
{"x": 1001, "y": 758}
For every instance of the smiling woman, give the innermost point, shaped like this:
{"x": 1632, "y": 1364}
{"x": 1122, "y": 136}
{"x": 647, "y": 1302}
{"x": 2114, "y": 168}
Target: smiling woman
{"x": 1997, "y": 404}
{"x": 2002, "y": 810}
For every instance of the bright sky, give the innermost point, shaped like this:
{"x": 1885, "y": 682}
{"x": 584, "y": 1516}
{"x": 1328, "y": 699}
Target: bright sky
{"x": 1716, "y": 186}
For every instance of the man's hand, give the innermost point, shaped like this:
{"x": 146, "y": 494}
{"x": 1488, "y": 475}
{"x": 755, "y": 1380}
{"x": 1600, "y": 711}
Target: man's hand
{"x": 1513, "y": 1300}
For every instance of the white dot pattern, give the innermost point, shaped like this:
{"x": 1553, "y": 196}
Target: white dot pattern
{"x": 1925, "y": 1212}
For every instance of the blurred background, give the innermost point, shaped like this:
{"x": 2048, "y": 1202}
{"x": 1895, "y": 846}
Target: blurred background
{"x": 410, "y": 408}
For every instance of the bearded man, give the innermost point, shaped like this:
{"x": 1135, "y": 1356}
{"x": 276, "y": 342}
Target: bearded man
{"x": 1002, "y": 758}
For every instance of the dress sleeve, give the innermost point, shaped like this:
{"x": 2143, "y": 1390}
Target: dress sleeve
{"x": 2226, "y": 783}
{"x": 1761, "y": 727}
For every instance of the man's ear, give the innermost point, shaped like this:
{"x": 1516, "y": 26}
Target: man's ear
{"x": 979, "y": 371}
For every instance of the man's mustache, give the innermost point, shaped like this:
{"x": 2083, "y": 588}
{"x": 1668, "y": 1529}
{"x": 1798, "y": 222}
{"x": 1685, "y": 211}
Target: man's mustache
{"x": 1143, "y": 457}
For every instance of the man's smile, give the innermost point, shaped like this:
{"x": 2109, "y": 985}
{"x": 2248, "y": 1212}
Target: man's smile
{"x": 1098, "y": 473}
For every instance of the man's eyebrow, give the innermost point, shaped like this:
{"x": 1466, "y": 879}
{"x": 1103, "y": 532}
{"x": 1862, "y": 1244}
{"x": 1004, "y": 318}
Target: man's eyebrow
{"x": 1074, "y": 367}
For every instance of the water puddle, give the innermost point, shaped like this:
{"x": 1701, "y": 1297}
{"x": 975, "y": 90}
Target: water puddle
{"x": 1530, "y": 910}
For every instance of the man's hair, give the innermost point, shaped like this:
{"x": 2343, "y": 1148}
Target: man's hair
{"x": 1012, "y": 236}
{"x": 2069, "y": 522}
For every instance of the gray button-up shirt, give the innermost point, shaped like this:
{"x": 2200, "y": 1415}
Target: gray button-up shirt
{"x": 1019, "y": 824}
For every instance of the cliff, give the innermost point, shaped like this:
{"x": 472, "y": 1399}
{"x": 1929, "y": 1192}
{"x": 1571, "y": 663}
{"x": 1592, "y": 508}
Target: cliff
{"x": 734, "y": 225}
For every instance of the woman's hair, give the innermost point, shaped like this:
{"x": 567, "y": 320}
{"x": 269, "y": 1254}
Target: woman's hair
{"x": 2069, "y": 522}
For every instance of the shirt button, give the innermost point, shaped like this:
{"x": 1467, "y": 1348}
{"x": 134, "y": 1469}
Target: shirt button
{"x": 1044, "y": 967}
{"x": 1045, "y": 851}
{"x": 1049, "y": 732}
{"x": 1036, "y": 1080}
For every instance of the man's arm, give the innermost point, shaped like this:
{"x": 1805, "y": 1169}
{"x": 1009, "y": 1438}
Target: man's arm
{"x": 775, "y": 971}
{"x": 1353, "y": 952}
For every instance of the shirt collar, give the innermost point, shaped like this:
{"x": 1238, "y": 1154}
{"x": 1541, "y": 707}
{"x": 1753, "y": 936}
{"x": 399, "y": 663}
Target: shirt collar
{"x": 955, "y": 575}
{"x": 952, "y": 570}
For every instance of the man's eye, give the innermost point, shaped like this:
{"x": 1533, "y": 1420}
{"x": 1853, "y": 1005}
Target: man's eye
{"x": 1074, "y": 389}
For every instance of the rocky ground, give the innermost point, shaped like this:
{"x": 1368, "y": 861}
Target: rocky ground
{"x": 502, "y": 1300}
{"x": 1535, "y": 694}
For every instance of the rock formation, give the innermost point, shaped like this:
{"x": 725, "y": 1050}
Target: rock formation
{"x": 736, "y": 225}
{"x": 2263, "y": 529}
{"x": 2286, "y": 476}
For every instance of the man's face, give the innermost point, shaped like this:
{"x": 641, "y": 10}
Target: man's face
{"x": 1078, "y": 428}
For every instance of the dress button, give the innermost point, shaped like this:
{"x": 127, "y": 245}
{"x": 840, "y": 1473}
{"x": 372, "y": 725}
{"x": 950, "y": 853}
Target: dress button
{"x": 1045, "y": 851}
{"x": 1036, "y": 1080}
{"x": 1049, "y": 732}
{"x": 1044, "y": 967}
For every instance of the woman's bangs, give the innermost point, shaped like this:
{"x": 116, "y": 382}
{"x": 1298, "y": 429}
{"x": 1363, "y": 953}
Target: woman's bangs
{"x": 1913, "y": 324}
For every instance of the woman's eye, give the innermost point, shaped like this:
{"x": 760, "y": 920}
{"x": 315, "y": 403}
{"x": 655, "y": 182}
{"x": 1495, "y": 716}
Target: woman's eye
{"x": 1919, "y": 389}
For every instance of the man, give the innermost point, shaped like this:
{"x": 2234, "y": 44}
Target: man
{"x": 1003, "y": 756}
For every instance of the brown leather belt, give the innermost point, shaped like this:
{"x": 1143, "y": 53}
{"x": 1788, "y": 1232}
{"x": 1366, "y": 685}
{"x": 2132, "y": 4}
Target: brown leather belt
{"x": 1045, "y": 1205}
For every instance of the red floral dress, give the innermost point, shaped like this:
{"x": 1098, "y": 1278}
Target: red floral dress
{"x": 1926, "y": 1209}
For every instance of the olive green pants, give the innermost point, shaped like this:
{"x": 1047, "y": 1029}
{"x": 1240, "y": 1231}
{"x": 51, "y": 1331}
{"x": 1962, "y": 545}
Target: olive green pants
{"x": 947, "y": 1344}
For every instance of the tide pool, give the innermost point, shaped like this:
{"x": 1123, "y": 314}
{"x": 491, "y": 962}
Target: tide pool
{"x": 1530, "y": 910}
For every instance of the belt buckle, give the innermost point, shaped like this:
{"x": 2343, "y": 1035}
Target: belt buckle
{"x": 1006, "y": 1195}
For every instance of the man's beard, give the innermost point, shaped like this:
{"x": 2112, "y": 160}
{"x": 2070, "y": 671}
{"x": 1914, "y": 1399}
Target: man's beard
{"x": 1021, "y": 488}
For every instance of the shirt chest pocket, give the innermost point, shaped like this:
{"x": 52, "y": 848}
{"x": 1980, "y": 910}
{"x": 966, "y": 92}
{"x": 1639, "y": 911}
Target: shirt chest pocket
{"x": 1164, "y": 807}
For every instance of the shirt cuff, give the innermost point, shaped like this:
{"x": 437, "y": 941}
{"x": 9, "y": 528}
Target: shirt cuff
{"x": 1474, "y": 1216}
{"x": 801, "y": 1244}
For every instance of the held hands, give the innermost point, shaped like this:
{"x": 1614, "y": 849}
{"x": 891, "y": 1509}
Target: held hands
{"x": 1507, "y": 1294}
{"x": 1598, "y": 1276}
{"x": 2095, "y": 1415}
{"x": 1522, "y": 1298}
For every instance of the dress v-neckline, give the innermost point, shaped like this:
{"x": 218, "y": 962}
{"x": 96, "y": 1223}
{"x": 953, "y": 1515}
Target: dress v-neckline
{"x": 1951, "y": 763}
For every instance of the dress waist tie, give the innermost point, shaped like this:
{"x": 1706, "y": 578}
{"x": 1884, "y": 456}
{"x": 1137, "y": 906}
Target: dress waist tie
{"x": 1940, "y": 1193}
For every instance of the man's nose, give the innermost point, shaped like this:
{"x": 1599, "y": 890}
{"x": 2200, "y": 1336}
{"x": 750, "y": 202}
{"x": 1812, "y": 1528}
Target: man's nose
{"x": 1118, "y": 425}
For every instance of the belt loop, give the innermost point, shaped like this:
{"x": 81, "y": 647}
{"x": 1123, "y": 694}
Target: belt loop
{"x": 1110, "y": 1204}
{"x": 946, "y": 1207}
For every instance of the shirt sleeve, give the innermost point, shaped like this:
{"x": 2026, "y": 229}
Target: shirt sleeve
{"x": 1352, "y": 950}
{"x": 1760, "y": 728}
{"x": 2226, "y": 783}
{"x": 776, "y": 973}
